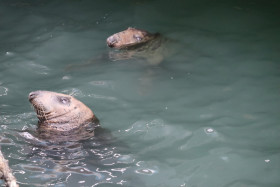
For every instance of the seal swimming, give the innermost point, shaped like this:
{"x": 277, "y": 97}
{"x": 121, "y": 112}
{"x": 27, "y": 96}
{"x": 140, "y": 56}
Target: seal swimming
{"x": 62, "y": 117}
{"x": 130, "y": 37}
{"x": 137, "y": 43}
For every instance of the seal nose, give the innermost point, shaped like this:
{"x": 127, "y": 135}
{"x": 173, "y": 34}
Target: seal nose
{"x": 111, "y": 41}
{"x": 32, "y": 95}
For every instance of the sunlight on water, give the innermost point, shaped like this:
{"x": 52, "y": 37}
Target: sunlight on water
{"x": 207, "y": 115}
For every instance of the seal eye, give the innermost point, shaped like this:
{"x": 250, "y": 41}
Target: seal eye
{"x": 138, "y": 38}
{"x": 64, "y": 100}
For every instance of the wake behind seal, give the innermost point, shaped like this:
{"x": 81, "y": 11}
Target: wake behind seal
{"x": 62, "y": 117}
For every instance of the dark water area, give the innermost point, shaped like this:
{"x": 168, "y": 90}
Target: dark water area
{"x": 207, "y": 115}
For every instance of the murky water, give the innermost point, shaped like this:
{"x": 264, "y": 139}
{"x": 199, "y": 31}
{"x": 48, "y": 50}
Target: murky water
{"x": 206, "y": 116}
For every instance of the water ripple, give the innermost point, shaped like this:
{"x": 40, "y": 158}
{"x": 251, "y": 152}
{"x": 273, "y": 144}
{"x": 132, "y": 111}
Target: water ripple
{"x": 38, "y": 68}
{"x": 3, "y": 91}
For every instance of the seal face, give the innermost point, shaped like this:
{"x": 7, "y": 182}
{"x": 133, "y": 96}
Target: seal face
{"x": 62, "y": 117}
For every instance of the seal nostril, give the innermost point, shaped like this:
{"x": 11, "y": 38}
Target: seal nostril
{"x": 110, "y": 45}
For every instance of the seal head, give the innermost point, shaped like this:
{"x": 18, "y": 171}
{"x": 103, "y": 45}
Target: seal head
{"x": 129, "y": 37}
{"x": 62, "y": 117}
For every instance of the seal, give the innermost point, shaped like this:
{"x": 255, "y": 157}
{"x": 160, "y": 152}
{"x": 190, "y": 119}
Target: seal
{"x": 130, "y": 37}
{"x": 62, "y": 117}
{"x": 137, "y": 43}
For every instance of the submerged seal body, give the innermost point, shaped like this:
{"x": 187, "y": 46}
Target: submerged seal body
{"x": 136, "y": 43}
{"x": 62, "y": 117}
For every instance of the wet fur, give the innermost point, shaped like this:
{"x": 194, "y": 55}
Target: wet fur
{"x": 62, "y": 122}
{"x": 129, "y": 38}
{"x": 149, "y": 47}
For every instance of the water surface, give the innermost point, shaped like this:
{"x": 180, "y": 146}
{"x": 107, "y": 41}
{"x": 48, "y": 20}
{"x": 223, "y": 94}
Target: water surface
{"x": 206, "y": 116}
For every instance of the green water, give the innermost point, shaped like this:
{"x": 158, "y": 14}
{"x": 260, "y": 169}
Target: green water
{"x": 206, "y": 116}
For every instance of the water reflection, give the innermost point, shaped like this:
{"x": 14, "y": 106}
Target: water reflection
{"x": 100, "y": 159}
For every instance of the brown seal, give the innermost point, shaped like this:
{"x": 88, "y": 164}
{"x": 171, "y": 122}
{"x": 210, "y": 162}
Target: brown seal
{"x": 62, "y": 117}
{"x": 130, "y": 37}
{"x": 138, "y": 44}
